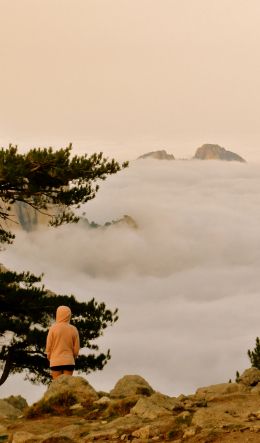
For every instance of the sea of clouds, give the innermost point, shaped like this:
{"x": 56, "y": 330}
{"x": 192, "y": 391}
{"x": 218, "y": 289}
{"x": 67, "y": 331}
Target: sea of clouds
{"x": 186, "y": 282}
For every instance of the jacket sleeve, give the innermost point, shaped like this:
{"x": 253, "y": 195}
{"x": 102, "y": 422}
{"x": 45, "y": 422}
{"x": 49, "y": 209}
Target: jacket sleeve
{"x": 76, "y": 344}
{"x": 49, "y": 344}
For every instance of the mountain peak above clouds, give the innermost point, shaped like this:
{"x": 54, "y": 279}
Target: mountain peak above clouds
{"x": 158, "y": 155}
{"x": 216, "y": 152}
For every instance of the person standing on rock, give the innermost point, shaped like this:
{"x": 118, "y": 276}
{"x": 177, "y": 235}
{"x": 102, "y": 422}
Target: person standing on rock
{"x": 62, "y": 345}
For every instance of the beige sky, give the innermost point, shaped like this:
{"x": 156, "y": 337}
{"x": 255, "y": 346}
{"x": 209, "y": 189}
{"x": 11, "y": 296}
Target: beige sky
{"x": 131, "y": 75}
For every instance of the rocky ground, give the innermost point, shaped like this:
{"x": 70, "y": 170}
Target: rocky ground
{"x": 72, "y": 411}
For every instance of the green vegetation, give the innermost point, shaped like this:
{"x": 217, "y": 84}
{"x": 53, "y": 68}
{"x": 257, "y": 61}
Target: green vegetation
{"x": 59, "y": 405}
{"x": 254, "y": 355}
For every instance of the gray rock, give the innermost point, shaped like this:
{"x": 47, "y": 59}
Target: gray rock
{"x": 119, "y": 426}
{"x": 7, "y": 410}
{"x": 131, "y": 385}
{"x": 255, "y": 389}
{"x": 142, "y": 433}
{"x": 146, "y": 408}
{"x": 163, "y": 425}
{"x": 78, "y": 387}
{"x": 250, "y": 377}
{"x": 216, "y": 152}
{"x": 164, "y": 401}
{"x": 213, "y": 391}
{"x": 17, "y": 402}
{"x": 69, "y": 433}
{"x": 158, "y": 155}
{"x": 212, "y": 418}
{"x": 103, "y": 401}
{"x": 107, "y": 434}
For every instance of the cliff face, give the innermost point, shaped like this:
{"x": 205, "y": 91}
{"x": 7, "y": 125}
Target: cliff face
{"x": 216, "y": 152}
{"x": 158, "y": 155}
{"x": 28, "y": 219}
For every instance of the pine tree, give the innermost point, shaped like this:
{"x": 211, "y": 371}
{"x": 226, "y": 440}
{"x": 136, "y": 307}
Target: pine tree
{"x": 45, "y": 179}
{"x": 27, "y": 310}
{"x": 254, "y": 355}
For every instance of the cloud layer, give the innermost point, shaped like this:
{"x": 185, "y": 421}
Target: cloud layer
{"x": 186, "y": 282}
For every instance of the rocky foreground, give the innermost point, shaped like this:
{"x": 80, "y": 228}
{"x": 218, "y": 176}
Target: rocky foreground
{"x": 72, "y": 411}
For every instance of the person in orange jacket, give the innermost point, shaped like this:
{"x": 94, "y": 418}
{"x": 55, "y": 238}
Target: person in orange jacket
{"x": 62, "y": 345}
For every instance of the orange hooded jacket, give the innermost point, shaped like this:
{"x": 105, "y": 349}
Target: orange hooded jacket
{"x": 62, "y": 346}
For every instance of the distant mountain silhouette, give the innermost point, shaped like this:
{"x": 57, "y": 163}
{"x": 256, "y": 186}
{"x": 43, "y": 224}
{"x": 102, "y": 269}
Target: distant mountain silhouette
{"x": 216, "y": 152}
{"x": 158, "y": 155}
{"x": 126, "y": 220}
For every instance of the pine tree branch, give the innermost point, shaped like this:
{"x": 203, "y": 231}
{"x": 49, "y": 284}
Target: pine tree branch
{"x": 7, "y": 367}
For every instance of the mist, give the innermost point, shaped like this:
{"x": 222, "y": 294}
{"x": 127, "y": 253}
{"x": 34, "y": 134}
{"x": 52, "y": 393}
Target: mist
{"x": 186, "y": 281}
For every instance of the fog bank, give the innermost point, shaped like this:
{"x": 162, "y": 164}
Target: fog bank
{"x": 186, "y": 282}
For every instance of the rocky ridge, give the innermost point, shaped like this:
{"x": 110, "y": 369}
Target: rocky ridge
{"x": 158, "y": 155}
{"x": 71, "y": 411}
{"x": 216, "y": 152}
{"x": 205, "y": 152}
{"x": 126, "y": 220}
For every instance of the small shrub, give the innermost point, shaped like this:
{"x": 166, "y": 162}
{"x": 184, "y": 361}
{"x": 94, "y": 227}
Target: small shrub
{"x": 102, "y": 394}
{"x": 56, "y": 405}
{"x": 93, "y": 412}
{"x": 175, "y": 433}
{"x": 184, "y": 420}
{"x": 119, "y": 408}
{"x": 254, "y": 355}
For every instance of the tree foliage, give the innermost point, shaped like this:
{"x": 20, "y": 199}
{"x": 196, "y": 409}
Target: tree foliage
{"x": 254, "y": 355}
{"x": 27, "y": 310}
{"x": 45, "y": 179}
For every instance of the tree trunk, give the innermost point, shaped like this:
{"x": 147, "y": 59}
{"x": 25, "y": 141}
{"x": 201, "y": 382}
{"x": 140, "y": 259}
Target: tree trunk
{"x": 7, "y": 368}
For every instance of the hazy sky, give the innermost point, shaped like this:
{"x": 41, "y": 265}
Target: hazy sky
{"x": 127, "y": 76}
{"x": 186, "y": 282}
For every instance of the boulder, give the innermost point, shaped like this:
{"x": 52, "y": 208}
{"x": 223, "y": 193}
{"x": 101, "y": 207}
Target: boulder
{"x": 211, "y": 418}
{"x": 213, "y": 391}
{"x": 142, "y": 433}
{"x": 17, "y": 402}
{"x": 146, "y": 408}
{"x": 67, "y": 434}
{"x": 119, "y": 426}
{"x": 77, "y": 387}
{"x": 164, "y": 426}
{"x": 189, "y": 433}
{"x": 250, "y": 377}
{"x": 256, "y": 389}
{"x": 170, "y": 403}
{"x": 103, "y": 401}
{"x": 130, "y": 385}
{"x": 7, "y": 410}
{"x": 64, "y": 392}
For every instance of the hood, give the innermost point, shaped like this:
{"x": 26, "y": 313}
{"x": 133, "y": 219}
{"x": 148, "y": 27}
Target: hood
{"x": 63, "y": 314}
